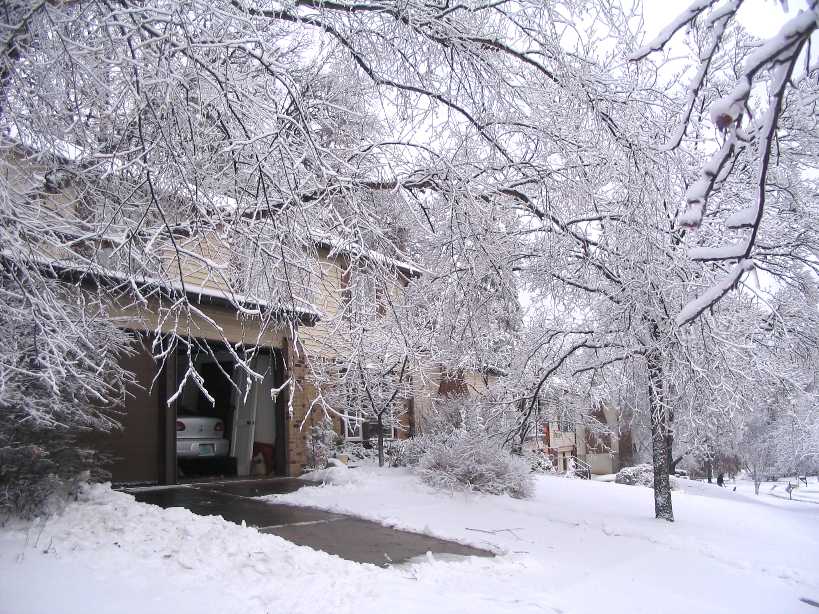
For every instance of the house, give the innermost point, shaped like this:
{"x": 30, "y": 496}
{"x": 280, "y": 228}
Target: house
{"x": 275, "y": 428}
{"x": 236, "y": 315}
{"x": 599, "y": 443}
{"x": 232, "y": 320}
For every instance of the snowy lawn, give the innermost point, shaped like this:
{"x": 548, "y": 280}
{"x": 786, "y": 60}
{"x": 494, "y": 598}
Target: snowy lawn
{"x": 578, "y": 546}
{"x": 595, "y": 546}
{"x": 809, "y": 493}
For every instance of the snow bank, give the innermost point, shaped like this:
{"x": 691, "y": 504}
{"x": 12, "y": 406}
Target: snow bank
{"x": 107, "y": 553}
{"x": 335, "y": 474}
{"x": 124, "y": 556}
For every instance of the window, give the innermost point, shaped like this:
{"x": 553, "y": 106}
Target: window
{"x": 565, "y": 426}
{"x": 352, "y": 426}
{"x": 356, "y": 428}
{"x": 356, "y": 402}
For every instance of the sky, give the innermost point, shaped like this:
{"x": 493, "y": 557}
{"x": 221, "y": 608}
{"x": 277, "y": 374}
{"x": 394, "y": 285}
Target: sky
{"x": 762, "y": 18}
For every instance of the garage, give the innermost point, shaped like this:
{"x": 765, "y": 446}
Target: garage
{"x": 226, "y": 425}
{"x": 141, "y": 452}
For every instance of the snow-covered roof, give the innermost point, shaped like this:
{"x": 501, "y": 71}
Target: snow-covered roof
{"x": 305, "y": 311}
{"x": 335, "y": 243}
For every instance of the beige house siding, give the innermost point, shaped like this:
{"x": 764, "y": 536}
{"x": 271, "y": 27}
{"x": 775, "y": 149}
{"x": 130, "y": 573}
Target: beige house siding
{"x": 204, "y": 262}
{"x": 328, "y": 286}
{"x": 24, "y": 178}
{"x": 213, "y": 322}
{"x": 426, "y": 391}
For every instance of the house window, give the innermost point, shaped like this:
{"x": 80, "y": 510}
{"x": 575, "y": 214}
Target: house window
{"x": 356, "y": 428}
{"x": 358, "y": 421}
{"x": 352, "y": 427}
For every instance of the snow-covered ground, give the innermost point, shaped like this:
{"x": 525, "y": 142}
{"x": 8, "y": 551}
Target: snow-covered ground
{"x": 577, "y": 546}
{"x": 595, "y": 546}
{"x": 808, "y": 493}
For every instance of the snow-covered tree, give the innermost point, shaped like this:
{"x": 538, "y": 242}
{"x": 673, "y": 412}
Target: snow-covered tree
{"x": 145, "y": 140}
{"x": 228, "y": 138}
{"x": 764, "y": 110}
{"x": 59, "y": 378}
{"x": 374, "y": 355}
{"x": 608, "y": 268}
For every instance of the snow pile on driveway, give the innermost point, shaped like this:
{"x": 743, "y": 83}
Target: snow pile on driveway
{"x": 108, "y": 553}
{"x": 334, "y": 474}
{"x": 124, "y": 556}
{"x": 596, "y": 546}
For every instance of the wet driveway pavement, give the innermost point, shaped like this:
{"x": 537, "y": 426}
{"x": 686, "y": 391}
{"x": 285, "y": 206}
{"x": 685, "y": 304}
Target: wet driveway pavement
{"x": 350, "y": 538}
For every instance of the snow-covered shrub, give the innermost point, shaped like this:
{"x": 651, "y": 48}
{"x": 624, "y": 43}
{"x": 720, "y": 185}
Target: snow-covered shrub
{"x": 539, "y": 461}
{"x": 641, "y": 475}
{"x": 356, "y": 450}
{"x": 322, "y": 442}
{"x": 571, "y": 469}
{"x": 468, "y": 460}
{"x": 59, "y": 377}
{"x": 40, "y": 479}
{"x": 447, "y": 416}
{"x": 367, "y": 450}
{"x": 460, "y": 449}
{"x": 408, "y": 452}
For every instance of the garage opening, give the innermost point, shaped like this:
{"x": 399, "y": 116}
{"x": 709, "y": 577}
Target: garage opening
{"x": 229, "y": 424}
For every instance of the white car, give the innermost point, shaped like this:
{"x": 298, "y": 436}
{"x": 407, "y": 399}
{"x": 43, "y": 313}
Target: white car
{"x": 198, "y": 437}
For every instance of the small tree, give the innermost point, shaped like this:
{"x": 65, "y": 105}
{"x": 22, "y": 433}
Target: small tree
{"x": 758, "y": 450}
{"x": 375, "y": 357}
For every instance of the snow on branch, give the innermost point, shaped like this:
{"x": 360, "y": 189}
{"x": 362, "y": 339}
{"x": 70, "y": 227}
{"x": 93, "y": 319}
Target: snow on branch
{"x": 719, "y": 21}
{"x": 744, "y": 218}
{"x": 693, "y": 309}
{"x": 771, "y": 64}
{"x": 725, "y": 252}
{"x": 694, "y": 10}
{"x": 781, "y": 53}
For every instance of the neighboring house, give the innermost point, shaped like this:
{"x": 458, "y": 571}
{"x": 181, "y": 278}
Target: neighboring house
{"x": 602, "y": 444}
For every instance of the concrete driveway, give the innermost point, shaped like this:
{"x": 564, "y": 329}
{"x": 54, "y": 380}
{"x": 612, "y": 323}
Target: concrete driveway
{"x": 350, "y": 538}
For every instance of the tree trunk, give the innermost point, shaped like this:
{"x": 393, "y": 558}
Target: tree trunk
{"x": 709, "y": 469}
{"x": 380, "y": 440}
{"x": 659, "y": 439}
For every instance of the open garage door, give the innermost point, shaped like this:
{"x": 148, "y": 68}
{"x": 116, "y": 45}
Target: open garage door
{"x": 234, "y": 429}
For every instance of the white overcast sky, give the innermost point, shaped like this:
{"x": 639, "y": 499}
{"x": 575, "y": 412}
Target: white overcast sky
{"x": 762, "y": 18}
